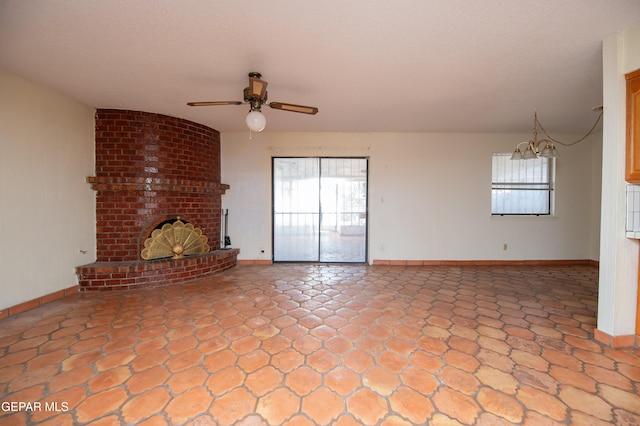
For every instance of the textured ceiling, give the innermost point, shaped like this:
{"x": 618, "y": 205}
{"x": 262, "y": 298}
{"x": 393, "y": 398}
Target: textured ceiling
{"x": 368, "y": 65}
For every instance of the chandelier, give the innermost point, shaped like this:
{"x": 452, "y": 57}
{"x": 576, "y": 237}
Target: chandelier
{"x": 549, "y": 150}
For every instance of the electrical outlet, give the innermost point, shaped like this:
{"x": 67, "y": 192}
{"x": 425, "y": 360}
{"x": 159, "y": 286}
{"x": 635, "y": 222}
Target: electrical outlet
{"x": 505, "y": 247}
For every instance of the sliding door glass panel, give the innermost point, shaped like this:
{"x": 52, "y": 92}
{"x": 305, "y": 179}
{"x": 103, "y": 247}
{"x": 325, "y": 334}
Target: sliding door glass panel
{"x": 296, "y": 217}
{"x": 320, "y": 209}
{"x": 343, "y": 206}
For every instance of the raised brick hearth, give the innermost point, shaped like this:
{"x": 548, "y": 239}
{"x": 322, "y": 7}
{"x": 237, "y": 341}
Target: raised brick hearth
{"x": 150, "y": 169}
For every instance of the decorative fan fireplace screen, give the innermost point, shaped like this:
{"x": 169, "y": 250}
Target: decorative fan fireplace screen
{"x": 175, "y": 240}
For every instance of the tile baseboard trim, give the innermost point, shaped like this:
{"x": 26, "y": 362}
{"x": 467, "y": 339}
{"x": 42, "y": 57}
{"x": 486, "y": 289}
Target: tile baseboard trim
{"x": 616, "y": 342}
{"x": 254, "y": 262}
{"x": 561, "y": 262}
{"x": 453, "y": 262}
{"x": 34, "y": 303}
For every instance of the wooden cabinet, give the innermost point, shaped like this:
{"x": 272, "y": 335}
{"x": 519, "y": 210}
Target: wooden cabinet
{"x": 632, "y": 172}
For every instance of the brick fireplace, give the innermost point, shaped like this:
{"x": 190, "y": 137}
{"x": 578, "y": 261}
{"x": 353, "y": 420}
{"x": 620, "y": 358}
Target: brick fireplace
{"x": 153, "y": 169}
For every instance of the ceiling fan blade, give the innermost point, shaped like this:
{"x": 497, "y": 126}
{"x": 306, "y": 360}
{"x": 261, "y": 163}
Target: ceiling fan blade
{"x": 294, "y": 108}
{"x": 210, "y": 103}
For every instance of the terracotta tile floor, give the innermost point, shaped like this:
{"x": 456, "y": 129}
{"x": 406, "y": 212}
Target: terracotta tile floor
{"x": 324, "y": 344}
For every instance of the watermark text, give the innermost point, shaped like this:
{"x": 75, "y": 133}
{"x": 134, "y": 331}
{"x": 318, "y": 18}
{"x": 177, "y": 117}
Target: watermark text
{"x": 14, "y": 406}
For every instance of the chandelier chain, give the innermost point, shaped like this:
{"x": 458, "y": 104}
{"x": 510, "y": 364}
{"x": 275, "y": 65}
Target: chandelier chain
{"x": 570, "y": 143}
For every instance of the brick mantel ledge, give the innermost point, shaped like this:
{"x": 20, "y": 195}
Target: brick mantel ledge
{"x": 107, "y": 183}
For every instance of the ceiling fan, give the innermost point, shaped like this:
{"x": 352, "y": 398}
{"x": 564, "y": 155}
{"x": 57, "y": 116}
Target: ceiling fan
{"x": 256, "y": 96}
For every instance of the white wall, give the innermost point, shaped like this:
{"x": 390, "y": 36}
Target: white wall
{"x": 618, "y": 254}
{"x": 596, "y": 194}
{"x": 47, "y": 211}
{"x": 429, "y": 195}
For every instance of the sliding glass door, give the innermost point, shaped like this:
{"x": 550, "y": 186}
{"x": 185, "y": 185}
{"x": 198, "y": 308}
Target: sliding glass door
{"x": 296, "y": 210}
{"x": 319, "y": 209}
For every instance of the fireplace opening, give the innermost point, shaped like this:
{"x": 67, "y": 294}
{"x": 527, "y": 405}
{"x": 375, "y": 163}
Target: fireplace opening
{"x": 176, "y": 239}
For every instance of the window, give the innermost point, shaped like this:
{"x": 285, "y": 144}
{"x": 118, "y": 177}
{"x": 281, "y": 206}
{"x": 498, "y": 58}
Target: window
{"x": 521, "y": 187}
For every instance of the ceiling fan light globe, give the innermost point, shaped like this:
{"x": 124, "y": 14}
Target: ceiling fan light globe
{"x": 256, "y": 121}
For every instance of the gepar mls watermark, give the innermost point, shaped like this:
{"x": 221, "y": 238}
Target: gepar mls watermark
{"x": 15, "y": 406}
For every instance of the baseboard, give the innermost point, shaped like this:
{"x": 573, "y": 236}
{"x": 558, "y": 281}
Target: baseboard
{"x": 34, "y": 303}
{"x": 616, "y": 342}
{"x": 561, "y": 262}
{"x": 254, "y": 262}
{"x": 454, "y": 262}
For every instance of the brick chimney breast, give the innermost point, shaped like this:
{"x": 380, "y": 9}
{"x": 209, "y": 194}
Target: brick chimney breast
{"x": 151, "y": 168}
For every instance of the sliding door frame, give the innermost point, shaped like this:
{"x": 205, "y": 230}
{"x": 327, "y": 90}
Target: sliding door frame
{"x": 273, "y": 209}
